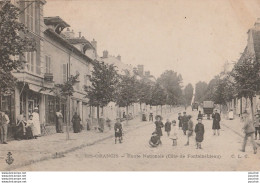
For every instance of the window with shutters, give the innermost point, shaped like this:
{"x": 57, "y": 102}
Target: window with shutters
{"x": 30, "y": 15}
{"x": 48, "y": 64}
{"x": 64, "y": 72}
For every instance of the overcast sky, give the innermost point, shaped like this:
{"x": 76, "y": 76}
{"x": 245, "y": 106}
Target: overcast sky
{"x": 192, "y": 37}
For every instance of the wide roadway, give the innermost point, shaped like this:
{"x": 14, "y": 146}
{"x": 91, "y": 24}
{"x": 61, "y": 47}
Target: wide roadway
{"x": 219, "y": 153}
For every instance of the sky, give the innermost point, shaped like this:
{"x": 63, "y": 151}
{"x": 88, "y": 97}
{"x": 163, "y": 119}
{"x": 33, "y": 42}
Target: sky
{"x": 192, "y": 37}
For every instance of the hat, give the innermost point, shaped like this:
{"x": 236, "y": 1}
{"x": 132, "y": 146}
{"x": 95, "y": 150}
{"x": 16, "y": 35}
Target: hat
{"x": 158, "y": 116}
{"x": 36, "y": 108}
{"x": 173, "y": 121}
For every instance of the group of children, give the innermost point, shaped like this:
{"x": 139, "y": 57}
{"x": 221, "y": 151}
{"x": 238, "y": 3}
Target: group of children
{"x": 171, "y": 130}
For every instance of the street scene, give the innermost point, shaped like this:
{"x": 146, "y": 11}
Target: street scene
{"x": 117, "y": 86}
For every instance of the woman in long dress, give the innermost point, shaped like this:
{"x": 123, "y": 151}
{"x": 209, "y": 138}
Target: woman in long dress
{"x": 76, "y": 123}
{"x": 36, "y": 122}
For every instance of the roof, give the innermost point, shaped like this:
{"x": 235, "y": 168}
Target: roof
{"x": 55, "y": 21}
{"x": 81, "y": 40}
{"x": 121, "y": 66}
{"x": 51, "y": 33}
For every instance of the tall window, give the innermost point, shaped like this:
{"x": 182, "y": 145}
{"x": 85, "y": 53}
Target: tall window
{"x": 30, "y": 15}
{"x": 64, "y": 73}
{"x": 30, "y": 59}
{"x": 48, "y": 64}
{"x": 77, "y": 84}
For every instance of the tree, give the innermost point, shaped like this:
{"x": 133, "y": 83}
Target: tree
{"x": 171, "y": 83}
{"x": 103, "y": 84}
{"x": 63, "y": 92}
{"x": 14, "y": 41}
{"x": 126, "y": 91}
{"x": 246, "y": 76}
{"x": 188, "y": 93}
{"x": 200, "y": 91}
{"x": 158, "y": 96}
{"x": 143, "y": 92}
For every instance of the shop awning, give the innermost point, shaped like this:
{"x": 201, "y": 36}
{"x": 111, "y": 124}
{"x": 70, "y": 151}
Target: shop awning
{"x": 38, "y": 89}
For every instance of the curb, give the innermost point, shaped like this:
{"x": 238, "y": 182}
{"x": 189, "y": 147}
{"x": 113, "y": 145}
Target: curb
{"x": 62, "y": 153}
{"x": 239, "y": 134}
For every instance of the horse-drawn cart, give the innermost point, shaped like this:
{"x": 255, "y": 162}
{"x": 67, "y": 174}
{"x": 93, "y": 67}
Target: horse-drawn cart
{"x": 208, "y": 107}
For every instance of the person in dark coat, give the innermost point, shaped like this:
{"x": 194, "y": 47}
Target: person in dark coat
{"x": 180, "y": 120}
{"x": 76, "y": 123}
{"x": 216, "y": 122}
{"x": 168, "y": 126}
{"x": 199, "y": 130}
{"x": 185, "y": 120}
{"x": 118, "y": 130}
{"x": 200, "y": 116}
{"x": 158, "y": 125}
{"x": 189, "y": 130}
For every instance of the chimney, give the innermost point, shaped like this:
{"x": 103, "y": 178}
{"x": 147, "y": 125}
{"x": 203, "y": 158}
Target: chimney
{"x": 257, "y": 23}
{"x": 79, "y": 34}
{"x": 119, "y": 57}
{"x": 105, "y": 54}
{"x": 94, "y": 44}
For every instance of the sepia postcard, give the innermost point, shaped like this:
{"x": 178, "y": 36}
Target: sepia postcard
{"x": 129, "y": 85}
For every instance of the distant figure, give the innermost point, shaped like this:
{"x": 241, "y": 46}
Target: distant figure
{"x": 257, "y": 125}
{"x": 167, "y": 127}
{"x": 101, "y": 123}
{"x": 151, "y": 117}
{"x": 31, "y": 131}
{"x": 118, "y": 130}
{"x": 231, "y": 115}
{"x": 185, "y": 120}
{"x": 189, "y": 130}
{"x": 249, "y": 132}
{"x": 174, "y": 133}
{"x": 76, "y": 123}
{"x": 180, "y": 120}
{"x": 216, "y": 122}
{"x": 36, "y": 122}
{"x": 200, "y": 116}
{"x": 4, "y": 121}
{"x": 199, "y": 130}
{"x": 108, "y": 121}
{"x": 59, "y": 121}
{"x": 143, "y": 116}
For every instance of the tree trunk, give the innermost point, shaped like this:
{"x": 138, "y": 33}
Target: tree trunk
{"x": 126, "y": 115}
{"x": 68, "y": 119}
{"x": 98, "y": 115}
{"x": 252, "y": 105}
{"x": 161, "y": 110}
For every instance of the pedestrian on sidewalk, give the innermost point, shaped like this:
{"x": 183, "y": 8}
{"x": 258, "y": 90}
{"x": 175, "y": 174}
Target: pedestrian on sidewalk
{"x": 158, "y": 125}
{"x": 257, "y": 125}
{"x": 4, "y": 121}
{"x": 76, "y": 123}
{"x": 216, "y": 122}
{"x": 118, "y": 130}
{"x": 199, "y": 130}
{"x": 167, "y": 127}
{"x": 59, "y": 121}
{"x": 249, "y": 132}
{"x": 189, "y": 130}
{"x": 180, "y": 120}
{"x": 151, "y": 117}
{"x": 185, "y": 120}
{"x": 31, "y": 131}
{"x": 200, "y": 116}
{"x": 36, "y": 122}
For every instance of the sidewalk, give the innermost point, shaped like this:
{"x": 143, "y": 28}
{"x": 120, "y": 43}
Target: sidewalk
{"x": 27, "y": 152}
{"x": 236, "y": 126}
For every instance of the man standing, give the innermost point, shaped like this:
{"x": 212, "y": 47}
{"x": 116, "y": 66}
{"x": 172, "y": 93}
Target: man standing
{"x": 59, "y": 122}
{"x": 36, "y": 122}
{"x": 185, "y": 120}
{"x": 4, "y": 126}
{"x": 216, "y": 122}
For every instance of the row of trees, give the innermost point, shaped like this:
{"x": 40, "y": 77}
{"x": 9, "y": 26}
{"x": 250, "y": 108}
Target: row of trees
{"x": 108, "y": 86}
{"x": 242, "y": 81}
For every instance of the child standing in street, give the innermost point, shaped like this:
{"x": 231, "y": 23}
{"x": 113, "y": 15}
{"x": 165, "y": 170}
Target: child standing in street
{"x": 189, "y": 129}
{"x": 118, "y": 130}
{"x": 168, "y": 127}
{"x": 174, "y": 133}
{"x": 199, "y": 130}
